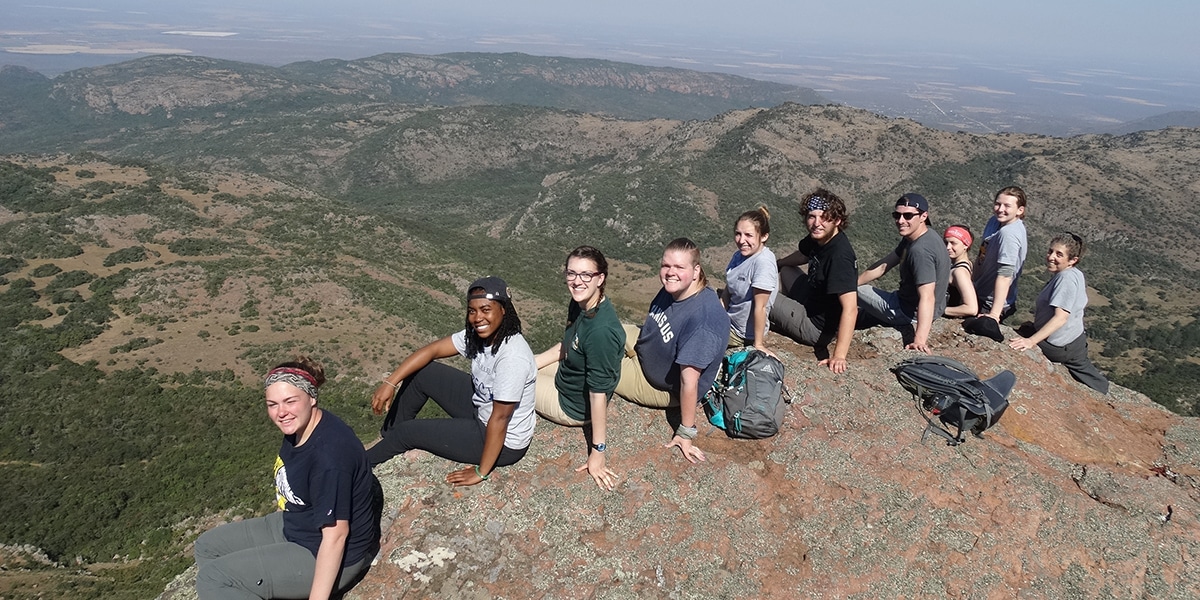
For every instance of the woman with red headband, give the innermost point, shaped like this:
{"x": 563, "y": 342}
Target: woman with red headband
{"x": 326, "y": 531}
{"x": 961, "y": 300}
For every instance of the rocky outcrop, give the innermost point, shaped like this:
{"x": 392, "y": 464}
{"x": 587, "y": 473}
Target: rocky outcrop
{"x": 1072, "y": 495}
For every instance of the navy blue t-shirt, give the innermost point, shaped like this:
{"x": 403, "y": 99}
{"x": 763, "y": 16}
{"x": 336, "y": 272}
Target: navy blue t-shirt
{"x": 327, "y": 479}
{"x": 692, "y": 332}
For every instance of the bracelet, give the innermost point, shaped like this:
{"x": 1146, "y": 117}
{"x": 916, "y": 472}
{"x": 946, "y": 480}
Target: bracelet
{"x": 481, "y": 475}
{"x": 687, "y": 433}
{"x": 394, "y": 386}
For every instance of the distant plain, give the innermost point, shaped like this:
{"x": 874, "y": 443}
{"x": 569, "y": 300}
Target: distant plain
{"x": 942, "y": 89}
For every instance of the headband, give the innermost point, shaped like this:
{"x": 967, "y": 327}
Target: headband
{"x": 959, "y": 234}
{"x": 816, "y": 203}
{"x": 298, "y": 377}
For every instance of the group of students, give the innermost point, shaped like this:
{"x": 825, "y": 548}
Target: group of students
{"x": 323, "y": 537}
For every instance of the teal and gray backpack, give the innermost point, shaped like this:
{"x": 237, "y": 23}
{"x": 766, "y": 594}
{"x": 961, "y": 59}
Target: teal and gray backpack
{"x": 747, "y": 398}
{"x": 953, "y": 393}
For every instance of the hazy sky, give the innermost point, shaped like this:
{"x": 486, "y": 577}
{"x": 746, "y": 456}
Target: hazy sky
{"x": 1155, "y": 31}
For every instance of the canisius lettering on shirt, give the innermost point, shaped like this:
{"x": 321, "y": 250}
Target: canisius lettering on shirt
{"x": 664, "y": 326}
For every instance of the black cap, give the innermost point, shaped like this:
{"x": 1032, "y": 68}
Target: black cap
{"x": 493, "y": 288}
{"x": 916, "y": 201}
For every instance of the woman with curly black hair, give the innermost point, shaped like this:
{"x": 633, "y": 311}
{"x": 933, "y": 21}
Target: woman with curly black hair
{"x": 490, "y": 410}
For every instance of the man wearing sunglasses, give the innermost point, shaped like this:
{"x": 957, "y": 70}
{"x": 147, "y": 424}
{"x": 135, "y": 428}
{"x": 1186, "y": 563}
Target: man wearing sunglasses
{"x": 924, "y": 275}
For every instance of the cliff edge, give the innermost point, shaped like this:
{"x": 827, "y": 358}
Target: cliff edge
{"x": 1072, "y": 495}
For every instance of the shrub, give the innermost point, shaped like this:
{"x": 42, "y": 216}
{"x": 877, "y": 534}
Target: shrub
{"x": 131, "y": 254}
{"x": 197, "y": 247}
{"x": 45, "y": 270}
{"x": 69, "y": 279}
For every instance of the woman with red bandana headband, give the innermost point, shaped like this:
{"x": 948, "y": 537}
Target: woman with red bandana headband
{"x": 326, "y": 532}
{"x": 960, "y": 295}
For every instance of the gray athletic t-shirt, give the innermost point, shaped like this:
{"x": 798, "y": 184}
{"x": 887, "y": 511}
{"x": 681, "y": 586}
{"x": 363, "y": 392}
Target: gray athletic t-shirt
{"x": 1066, "y": 290}
{"x": 507, "y": 376}
{"x": 1001, "y": 246}
{"x": 743, "y": 275}
{"x": 923, "y": 261}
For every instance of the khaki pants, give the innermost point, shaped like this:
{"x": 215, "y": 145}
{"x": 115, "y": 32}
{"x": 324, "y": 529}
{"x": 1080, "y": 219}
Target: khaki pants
{"x": 546, "y": 398}
{"x": 633, "y": 385}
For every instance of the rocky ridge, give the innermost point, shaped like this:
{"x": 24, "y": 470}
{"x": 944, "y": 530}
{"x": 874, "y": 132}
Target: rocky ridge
{"x": 1072, "y": 495}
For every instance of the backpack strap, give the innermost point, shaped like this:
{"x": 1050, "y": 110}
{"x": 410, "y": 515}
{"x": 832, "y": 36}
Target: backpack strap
{"x": 937, "y": 428}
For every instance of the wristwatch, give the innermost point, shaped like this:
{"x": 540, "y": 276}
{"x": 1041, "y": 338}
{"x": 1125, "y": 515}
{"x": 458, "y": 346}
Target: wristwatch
{"x": 600, "y": 447}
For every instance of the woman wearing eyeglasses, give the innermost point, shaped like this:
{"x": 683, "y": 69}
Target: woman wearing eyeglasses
{"x": 751, "y": 280}
{"x": 576, "y": 377}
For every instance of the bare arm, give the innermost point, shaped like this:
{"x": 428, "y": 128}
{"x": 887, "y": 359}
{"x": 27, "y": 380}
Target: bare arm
{"x": 493, "y": 442}
{"x": 837, "y": 362}
{"x": 926, "y": 304}
{"x": 999, "y": 297}
{"x": 1057, "y": 321}
{"x": 961, "y": 280}
{"x": 550, "y": 356}
{"x": 596, "y": 465}
{"x": 878, "y": 269}
{"x": 758, "y": 318}
{"x": 329, "y": 559}
{"x": 794, "y": 259}
{"x": 689, "y": 397}
{"x": 382, "y": 398}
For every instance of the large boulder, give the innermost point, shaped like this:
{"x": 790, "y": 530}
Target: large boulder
{"x": 1072, "y": 495}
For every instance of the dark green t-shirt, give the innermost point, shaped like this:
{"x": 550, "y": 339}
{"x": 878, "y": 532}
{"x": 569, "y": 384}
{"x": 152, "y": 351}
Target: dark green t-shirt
{"x": 594, "y": 344}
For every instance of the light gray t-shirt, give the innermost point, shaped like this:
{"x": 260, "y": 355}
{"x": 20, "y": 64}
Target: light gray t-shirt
{"x": 742, "y": 276}
{"x": 507, "y": 376}
{"x": 1001, "y": 246}
{"x": 1066, "y": 290}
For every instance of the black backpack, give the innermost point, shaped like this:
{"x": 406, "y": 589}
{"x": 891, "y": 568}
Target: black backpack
{"x": 747, "y": 398}
{"x": 953, "y": 393}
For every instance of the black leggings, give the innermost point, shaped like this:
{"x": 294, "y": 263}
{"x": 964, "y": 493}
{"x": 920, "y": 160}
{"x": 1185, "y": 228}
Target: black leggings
{"x": 458, "y": 438}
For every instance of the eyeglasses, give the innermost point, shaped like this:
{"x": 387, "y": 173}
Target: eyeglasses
{"x": 583, "y": 276}
{"x": 907, "y": 216}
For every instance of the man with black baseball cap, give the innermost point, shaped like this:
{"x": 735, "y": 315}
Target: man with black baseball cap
{"x": 924, "y": 276}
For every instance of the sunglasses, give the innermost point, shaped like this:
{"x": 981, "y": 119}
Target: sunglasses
{"x": 907, "y": 216}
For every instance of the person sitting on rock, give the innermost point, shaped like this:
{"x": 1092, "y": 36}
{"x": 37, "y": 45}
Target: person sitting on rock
{"x": 751, "y": 281}
{"x": 490, "y": 410}
{"x": 1057, "y": 326}
{"x": 960, "y": 299}
{"x": 999, "y": 263}
{"x": 826, "y": 296}
{"x": 679, "y": 347}
{"x": 924, "y": 277}
{"x": 326, "y": 531}
{"x": 577, "y": 376}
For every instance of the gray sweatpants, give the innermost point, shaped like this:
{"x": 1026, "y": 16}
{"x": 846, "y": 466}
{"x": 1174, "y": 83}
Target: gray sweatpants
{"x": 251, "y": 559}
{"x": 1074, "y": 356}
